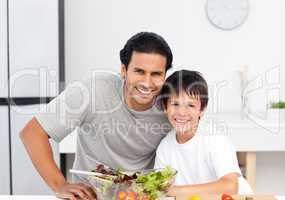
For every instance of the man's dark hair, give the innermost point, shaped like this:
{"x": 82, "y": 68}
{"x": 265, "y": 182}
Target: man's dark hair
{"x": 146, "y": 42}
{"x": 191, "y": 82}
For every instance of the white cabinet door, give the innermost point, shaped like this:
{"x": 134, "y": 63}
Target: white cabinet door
{"x": 3, "y": 50}
{"x": 25, "y": 178}
{"x": 4, "y": 151}
{"x": 33, "y": 37}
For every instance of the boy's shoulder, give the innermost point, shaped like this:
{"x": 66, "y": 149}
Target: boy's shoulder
{"x": 168, "y": 139}
{"x": 214, "y": 138}
{"x": 217, "y": 143}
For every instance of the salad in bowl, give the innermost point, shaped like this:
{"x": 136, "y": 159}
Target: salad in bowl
{"x": 113, "y": 184}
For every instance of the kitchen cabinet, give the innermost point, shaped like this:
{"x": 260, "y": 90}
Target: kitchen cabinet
{"x": 4, "y": 151}
{"x": 4, "y": 117}
{"x": 29, "y": 57}
{"x": 33, "y": 48}
{"x": 25, "y": 178}
{"x": 3, "y": 50}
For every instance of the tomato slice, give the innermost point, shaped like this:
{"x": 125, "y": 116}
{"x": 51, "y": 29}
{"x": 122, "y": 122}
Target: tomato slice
{"x": 132, "y": 196}
{"x": 195, "y": 197}
{"x": 227, "y": 197}
{"x": 121, "y": 195}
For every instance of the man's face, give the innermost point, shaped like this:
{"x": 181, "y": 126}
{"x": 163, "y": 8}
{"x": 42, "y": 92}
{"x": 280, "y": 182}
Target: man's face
{"x": 183, "y": 112}
{"x": 144, "y": 79}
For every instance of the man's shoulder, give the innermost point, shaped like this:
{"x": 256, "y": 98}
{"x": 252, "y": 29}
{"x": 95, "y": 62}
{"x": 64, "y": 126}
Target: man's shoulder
{"x": 104, "y": 79}
{"x": 104, "y": 84}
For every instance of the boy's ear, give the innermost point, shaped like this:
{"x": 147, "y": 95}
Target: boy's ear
{"x": 123, "y": 71}
{"x": 164, "y": 108}
{"x": 203, "y": 112}
{"x": 161, "y": 106}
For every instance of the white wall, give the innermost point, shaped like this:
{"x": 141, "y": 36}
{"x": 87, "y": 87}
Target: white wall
{"x": 96, "y": 31}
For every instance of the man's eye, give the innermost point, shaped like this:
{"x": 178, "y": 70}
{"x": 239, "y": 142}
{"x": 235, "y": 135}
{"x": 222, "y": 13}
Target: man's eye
{"x": 139, "y": 72}
{"x": 156, "y": 74}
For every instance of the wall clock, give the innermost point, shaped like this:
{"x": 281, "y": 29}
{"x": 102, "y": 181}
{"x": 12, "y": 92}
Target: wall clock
{"x": 227, "y": 14}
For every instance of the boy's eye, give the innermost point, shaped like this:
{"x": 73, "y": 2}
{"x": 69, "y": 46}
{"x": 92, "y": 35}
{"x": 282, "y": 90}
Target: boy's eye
{"x": 191, "y": 105}
{"x": 174, "y": 104}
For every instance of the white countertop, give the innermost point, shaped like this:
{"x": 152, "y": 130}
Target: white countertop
{"x": 30, "y": 197}
{"x": 27, "y": 197}
{"x": 248, "y": 134}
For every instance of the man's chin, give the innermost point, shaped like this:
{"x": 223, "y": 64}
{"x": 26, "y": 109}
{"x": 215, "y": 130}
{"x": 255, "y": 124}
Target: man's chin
{"x": 144, "y": 101}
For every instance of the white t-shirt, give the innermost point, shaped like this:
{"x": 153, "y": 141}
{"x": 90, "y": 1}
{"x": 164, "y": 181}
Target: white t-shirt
{"x": 202, "y": 159}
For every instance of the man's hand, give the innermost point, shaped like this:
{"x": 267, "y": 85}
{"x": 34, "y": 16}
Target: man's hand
{"x": 75, "y": 191}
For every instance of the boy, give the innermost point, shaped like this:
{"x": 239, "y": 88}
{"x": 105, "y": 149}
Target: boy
{"x": 205, "y": 163}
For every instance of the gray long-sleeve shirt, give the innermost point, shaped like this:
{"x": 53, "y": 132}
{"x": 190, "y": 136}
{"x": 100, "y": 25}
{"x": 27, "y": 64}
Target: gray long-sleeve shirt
{"x": 109, "y": 132}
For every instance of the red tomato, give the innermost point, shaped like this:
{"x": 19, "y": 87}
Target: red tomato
{"x": 227, "y": 197}
{"x": 132, "y": 196}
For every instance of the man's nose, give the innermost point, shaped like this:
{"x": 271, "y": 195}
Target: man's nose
{"x": 147, "y": 81}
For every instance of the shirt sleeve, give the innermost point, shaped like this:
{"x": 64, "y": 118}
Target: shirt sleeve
{"x": 65, "y": 112}
{"x": 223, "y": 156}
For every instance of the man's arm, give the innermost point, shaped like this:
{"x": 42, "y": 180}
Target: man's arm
{"x": 228, "y": 184}
{"x": 36, "y": 142}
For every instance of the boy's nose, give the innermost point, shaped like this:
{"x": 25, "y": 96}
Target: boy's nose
{"x": 182, "y": 110}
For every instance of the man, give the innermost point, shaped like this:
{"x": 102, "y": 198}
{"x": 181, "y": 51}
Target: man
{"x": 118, "y": 122}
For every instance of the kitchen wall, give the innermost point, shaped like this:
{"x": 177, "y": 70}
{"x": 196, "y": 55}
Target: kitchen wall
{"x": 97, "y": 30}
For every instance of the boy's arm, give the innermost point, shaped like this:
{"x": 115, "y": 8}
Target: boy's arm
{"x": 228, "y": 184}
{"x": 36, "y": 142}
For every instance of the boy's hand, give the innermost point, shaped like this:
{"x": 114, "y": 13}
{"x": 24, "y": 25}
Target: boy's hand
{"x": 75, "y": 191}
{"x": 172, "y": 191}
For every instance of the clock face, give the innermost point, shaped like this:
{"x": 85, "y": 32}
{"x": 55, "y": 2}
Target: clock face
{"x": 227, "y": 14}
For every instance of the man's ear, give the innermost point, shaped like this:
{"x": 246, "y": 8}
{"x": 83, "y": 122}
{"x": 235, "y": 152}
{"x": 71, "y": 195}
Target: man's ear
{"x": 123, "y": 71}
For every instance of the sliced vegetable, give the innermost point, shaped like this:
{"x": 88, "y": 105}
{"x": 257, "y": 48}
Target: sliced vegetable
{"x": 227, "y": 197}
{"x": 195, "y": 197}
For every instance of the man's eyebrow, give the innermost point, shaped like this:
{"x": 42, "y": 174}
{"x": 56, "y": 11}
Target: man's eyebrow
{"x": 158, "y": 72}
{"x": 137, "y": 68}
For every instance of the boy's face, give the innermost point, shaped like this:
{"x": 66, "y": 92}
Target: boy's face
{"x": 183, "y": 112}
{"x": 144, "y": 79}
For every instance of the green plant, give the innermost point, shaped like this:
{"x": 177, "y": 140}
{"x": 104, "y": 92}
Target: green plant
{"x": 278, "y": 105}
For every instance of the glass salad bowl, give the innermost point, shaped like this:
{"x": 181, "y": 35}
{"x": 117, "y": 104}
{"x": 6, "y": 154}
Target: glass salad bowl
{"x": 139, "y": 185}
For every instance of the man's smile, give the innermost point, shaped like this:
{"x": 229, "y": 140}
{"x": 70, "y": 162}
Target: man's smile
{"x": 144, "y": 91}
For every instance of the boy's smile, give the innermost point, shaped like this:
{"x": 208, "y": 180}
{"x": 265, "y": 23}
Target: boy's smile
{"x": 183, "y": 112}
